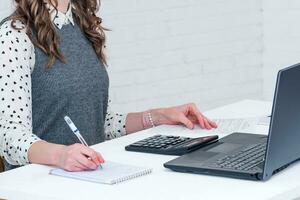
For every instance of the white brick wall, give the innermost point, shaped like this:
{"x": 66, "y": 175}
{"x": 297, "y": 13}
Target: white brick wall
{"x": 171, "y": 52}
{"x": 281, "y": 39}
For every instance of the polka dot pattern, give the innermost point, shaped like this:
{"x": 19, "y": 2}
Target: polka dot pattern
{"x": 17, "y": 60}
{"x": 114, "y": 124}
{"x": 15, "y": 83}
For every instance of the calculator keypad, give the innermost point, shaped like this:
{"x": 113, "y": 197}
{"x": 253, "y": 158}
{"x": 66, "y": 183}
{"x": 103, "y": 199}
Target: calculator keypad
{"x": 160, "y": 142}
{"x": 170, "y": 145}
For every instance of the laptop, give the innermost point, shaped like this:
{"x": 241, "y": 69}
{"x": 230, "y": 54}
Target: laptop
{"x": 253, "y": 156}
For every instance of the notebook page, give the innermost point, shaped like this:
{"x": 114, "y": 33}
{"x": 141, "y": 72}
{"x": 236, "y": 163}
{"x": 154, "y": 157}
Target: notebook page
{"x": 110, "y": 173}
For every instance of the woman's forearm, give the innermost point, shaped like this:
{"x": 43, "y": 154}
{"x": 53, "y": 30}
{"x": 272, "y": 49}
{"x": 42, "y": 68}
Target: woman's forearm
{"x": 134, "y": 121}
{"x": 42, "y": 152}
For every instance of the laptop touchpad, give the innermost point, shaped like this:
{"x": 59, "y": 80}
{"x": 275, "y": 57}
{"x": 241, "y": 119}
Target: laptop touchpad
{"x": 224, "y": 148}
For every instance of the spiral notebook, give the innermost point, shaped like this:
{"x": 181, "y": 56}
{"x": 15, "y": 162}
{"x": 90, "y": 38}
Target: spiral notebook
{"x": 110, "y": 173}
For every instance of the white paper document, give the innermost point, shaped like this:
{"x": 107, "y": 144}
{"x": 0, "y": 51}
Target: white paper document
{"x": 225, "y": 126}
{"x": 235, "y": 125}
{"x": 264, "y": 121}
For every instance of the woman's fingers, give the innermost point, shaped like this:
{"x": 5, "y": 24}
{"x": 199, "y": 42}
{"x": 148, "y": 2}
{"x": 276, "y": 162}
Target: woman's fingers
{"x": 207, "y": 125}
{"x": 80, "y": 166}
{"x": 184, "y": 120}
{"x": 100, "y": 157}
{"x": 93, "y": 155}
{"x": 212, "y": 123}
{"x": 203, "y": 121}
{"x": 73, "y": 165}
{"x": 87, "y": 163}
{"x": 74, "y": 169}
{"x": 198, "y": 115}
{"x": 77, "y": 169}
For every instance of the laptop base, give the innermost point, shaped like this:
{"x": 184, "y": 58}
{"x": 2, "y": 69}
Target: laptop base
{"x": 201, "y": 161}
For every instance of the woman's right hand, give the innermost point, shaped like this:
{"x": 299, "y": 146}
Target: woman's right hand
{"x": 78, "y": 157}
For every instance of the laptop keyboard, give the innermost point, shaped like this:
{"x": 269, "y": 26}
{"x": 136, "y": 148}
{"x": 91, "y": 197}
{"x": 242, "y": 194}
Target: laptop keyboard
{"x": 245, "y": 159}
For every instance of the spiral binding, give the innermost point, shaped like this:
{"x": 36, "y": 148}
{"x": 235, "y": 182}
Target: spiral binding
{"x": 126, "y": 178}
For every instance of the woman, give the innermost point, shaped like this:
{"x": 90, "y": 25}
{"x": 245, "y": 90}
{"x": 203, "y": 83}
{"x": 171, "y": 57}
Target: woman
{"x": 52, "y": 65}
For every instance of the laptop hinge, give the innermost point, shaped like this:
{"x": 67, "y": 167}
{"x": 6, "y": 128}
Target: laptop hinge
{"x": 259, "y": 176}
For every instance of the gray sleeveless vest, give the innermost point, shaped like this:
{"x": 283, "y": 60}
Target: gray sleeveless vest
{"x": 78, "y": 88}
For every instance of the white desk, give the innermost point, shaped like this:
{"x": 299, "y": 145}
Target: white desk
{"x": 33, "y": 181}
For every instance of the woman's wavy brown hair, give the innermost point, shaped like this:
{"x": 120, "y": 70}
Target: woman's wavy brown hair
{"x": 36, "y": 17}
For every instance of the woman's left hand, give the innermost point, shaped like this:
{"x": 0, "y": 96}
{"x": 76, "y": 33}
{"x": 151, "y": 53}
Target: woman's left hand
{"x": 188, "y": 115}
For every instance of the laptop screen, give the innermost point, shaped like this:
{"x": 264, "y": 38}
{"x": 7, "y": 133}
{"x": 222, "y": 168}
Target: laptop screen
{"x": 284, "y": 134}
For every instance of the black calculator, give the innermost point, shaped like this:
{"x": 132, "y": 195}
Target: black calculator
{"x": 170, "y": 145}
